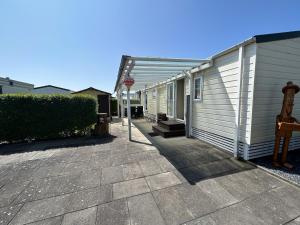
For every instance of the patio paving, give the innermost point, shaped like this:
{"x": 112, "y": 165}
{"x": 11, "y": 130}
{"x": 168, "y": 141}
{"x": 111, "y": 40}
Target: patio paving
{"x": 113, "y": 181}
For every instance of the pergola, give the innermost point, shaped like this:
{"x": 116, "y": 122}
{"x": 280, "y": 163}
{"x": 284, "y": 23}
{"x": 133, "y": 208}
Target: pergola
{"x": 150, "y": 71}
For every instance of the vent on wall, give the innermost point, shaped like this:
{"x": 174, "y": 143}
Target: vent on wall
{"x": 254, "y": 150}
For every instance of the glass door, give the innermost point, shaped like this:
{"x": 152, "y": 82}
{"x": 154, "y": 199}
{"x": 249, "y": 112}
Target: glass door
{"x": 170, "y": 99}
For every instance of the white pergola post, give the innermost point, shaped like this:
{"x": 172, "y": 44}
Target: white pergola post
{"x": 118, "y": 103}
{"x": 122, "y": 108}
{"x": 156, "y": 105}
{"x": 129, "y": 114}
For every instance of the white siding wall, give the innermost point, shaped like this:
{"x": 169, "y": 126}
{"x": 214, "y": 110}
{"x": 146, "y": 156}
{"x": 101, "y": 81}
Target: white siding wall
{"x": 162, "y": 99}
{"x": 277, "y": 63}
{"x": 151, "y": 101}
{"x": 215, "y": 115}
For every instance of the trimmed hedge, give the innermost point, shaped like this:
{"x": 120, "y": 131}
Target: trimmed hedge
{"x": 28, "y": 116}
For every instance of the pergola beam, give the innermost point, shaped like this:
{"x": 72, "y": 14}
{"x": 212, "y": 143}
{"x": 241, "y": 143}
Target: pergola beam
{"x": 168, "y": 59}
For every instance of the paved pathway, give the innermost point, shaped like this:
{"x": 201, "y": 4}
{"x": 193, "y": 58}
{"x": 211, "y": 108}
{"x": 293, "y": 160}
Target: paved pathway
{"x": 118, "y": 182}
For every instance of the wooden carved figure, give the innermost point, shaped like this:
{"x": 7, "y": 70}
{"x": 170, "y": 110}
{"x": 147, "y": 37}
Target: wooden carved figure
{"x": 285, "y": 125}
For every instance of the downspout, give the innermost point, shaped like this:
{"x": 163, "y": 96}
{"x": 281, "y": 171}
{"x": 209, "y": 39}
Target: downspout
{"x": 238, "y": 104}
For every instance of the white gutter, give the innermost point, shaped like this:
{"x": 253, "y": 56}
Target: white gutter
{"x": 238, "y": 104}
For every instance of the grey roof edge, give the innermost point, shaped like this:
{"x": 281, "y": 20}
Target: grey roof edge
{"x": 65, "y": 89}
{"x": 122, "y": 64}
{"x": 276, "y": 36}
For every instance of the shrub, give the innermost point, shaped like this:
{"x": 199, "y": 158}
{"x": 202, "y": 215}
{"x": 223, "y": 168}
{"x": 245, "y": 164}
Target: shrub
{"x": 28, "y": 116}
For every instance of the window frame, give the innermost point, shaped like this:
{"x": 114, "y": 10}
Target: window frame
{"x": 201, "y": 88}
{"x": 173, "y": 99}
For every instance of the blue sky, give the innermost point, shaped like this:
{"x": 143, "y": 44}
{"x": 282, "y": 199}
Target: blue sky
{"x": 76, "y": 44}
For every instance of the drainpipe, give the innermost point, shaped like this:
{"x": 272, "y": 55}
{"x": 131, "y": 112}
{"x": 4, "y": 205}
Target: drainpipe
{"x": 238, "y": 104}
{"x": 118, "y": 103}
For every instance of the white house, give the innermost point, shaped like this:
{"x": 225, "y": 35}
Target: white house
{"x": 50, "y": 89}
{"x": 9, "y": 86}
{"x": 232, "y": 99}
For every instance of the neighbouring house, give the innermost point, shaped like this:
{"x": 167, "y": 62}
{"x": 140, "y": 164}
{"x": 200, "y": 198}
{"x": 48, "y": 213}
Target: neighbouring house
{"x": 9, "y": 86}
{"x": 230, "y": 99}
{"x": 103, "y": 99}
{"x": 50, "y": 89}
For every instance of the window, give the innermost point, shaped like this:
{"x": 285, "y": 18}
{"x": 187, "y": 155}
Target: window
{"x": 1, "y": 92}
{"x": 198, "y": 88}
{"x": 170, "y": 99}
{"x": 11, "y": 83}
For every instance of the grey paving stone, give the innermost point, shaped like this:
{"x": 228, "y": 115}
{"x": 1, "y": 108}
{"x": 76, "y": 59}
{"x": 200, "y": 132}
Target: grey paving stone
{"x": 206, "y": 220}
{"x": 47, "y": 171}
{"x": 11, "y": 190}
{"x": 76, "y": 167}
{"x": 165, "y": 164}
{"x": 150, "y": 167}
{"x": 130, "y": 188}
{"x": 295, "y": 221}
{"x": 56, "y": 206}
{"x": 198, "y": 202}
{"x": 173, "y": 208}
{"x": 247, "y": 183}
{"x": 162, "y": 180}
{"x": 7, "y": 213}
{"x": 217, "y": 193}
{"x": 112, "y": 175}
{"x": 115, "y": 213}
{"x": 82, "y": 217}
{"x": 51, "y": 221}
{"x": 144, "y": 211}
{"x": 234, "y": 215}
{"x": 53, "y": 186}
{"x": 132, "y": 171}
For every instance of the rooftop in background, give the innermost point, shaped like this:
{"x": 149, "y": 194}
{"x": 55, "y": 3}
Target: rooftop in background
{"x": 91, "y": 89}
{"x": 46, "y": 86}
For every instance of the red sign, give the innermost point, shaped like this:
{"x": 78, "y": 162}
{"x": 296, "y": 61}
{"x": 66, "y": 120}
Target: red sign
{"x": 128, "y": 81}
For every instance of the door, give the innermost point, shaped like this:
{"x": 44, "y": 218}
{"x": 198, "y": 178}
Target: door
{"x": 180, "y": 99}
{"x": 103, "y": 104}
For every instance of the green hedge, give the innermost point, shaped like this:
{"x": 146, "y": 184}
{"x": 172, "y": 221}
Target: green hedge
{"x": 27, "y": 117}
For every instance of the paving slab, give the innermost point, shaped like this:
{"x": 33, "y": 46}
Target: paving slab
{"x": 130, "y": 188}
{"x": 150, "y": 167}
{"x": 7, "y": 213}
{"x": 56, "y": 206}
{"x": 173, "y": 208}
{"x": 10, "y": 191}
{"x": 216, "y": 192}
{"x": 198, "y": 202}
{"x": 294, "y": 222}
{"x": 82, "y": 217}
{"x": 144, "y": 211}
{"x": 51, "y": 221}
{"x": 112, "y": 175}
{"x": 132, "y": 171}
{"x": 162, "y": 180}
{"x": 115, "y": 212}
{"x": 165, "y": 164}
{"x": 53, "y": 186}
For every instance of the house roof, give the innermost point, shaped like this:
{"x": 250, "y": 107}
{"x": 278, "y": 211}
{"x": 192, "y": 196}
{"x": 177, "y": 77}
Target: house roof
{"x": 157, "y": 73}
{"x": 276, "y": 36}
{"x": 91, "y": 88}
{"x": 45, "y": 86}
